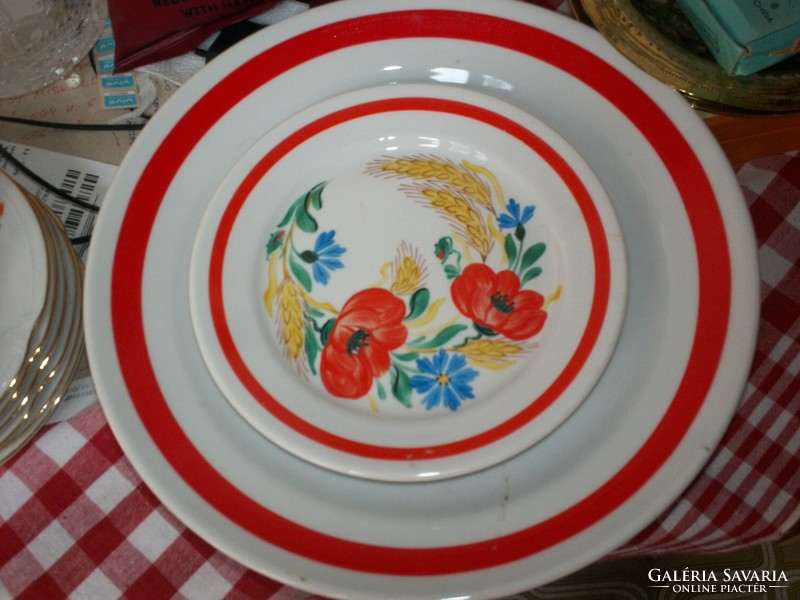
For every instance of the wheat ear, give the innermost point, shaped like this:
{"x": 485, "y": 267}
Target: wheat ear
{"x": 290, "y": 319}
{"x": 462, "y": 213}
{"x": 491, "y": 354}
{"x": 444, "y": 172}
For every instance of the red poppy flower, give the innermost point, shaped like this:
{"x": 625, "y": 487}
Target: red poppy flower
{"x": 494, "y": 301}
{"x": 369, "y": 326}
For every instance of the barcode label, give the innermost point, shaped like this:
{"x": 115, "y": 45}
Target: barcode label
{"x": 70, "y": 181}
{"x": 79, "y": 185}
{"x": 79, "y": 178}
{"x": 71, "y": 221}
{"x": 77, "y": 221}
{"x": 71, "y": 217}
{"x": 88, "y": 185}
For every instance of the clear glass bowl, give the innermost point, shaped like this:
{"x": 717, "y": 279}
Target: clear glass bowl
{"x": 42, "y": 40}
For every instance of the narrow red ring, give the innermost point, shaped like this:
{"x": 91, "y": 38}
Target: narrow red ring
{"x": 537, "y": 406}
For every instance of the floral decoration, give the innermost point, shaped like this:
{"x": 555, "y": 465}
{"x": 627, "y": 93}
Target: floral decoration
{"x": 444, "y": 379}
{"x": 384, "y": 342}
{"x": 496, "y": 304}
{"x": 368, "y": 328}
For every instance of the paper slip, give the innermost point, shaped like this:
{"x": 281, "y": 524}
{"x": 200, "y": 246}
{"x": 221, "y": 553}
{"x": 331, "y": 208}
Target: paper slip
{"x": 87, "y": 180}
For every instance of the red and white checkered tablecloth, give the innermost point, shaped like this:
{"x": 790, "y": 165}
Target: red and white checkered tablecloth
{"x": 750, "y": 490}
{"x": 76, "y": 520}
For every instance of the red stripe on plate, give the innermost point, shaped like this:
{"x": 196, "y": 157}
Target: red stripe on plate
{"x": 678, "y": 158}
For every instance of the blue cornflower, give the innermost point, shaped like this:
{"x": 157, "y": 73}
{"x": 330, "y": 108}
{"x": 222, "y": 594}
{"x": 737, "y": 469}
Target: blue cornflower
{"x": 513, "y": 219}
{"x": 326, "y": 256}
{"x": 444, "y": 381}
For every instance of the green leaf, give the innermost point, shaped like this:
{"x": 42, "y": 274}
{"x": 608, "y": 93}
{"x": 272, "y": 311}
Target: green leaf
{"x": 311, "y": 201}
{"x": 304, "y": 220}
{"x": 484, "y": 330}
{"x": 418, "y": 303}
{"x": 401, "y": 386}
{"x": 381, "y": 390}
{"x": 406, "y": 356}
{"x": 314, "y": 197}
{"x": 511, "y": 248}
{"x": 314, "y": 312}
{"x": 532, "y": 274}
{"x": 441, "y": 338}
{"x": 300, "y": 274}
{"x": 311, "y": 347}
{"x": 451, "y": 271}
{"x": 531, "y": 255}
{"x": 290, "y": 213}
{"x": 325, "y": 332}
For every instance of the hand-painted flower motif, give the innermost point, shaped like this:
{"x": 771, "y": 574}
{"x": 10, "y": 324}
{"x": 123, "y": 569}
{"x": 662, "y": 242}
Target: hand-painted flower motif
{"x": 495, "y": 302}
{"x": 444, "y": 380}
{"x": 324, "y": 257}
{"x": 398, "y": 340}
{"x": 514, "y": 218}
{"x": 368, "y": 328}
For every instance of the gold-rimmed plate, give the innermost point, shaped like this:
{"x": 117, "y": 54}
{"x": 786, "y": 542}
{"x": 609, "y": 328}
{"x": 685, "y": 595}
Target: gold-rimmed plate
{"x": 55, "y": 345}
{"x": 657, "y": 37}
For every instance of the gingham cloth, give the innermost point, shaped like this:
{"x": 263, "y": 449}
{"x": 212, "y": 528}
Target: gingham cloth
{"x": 750, "y": 490}
{"x": 76, "y": 520}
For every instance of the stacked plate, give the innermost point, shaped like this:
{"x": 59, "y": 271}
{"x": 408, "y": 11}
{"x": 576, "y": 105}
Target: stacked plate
{"x": 466, "y": 193}
{"x": 41, "y": 323}
{"x": 445, "y": 300}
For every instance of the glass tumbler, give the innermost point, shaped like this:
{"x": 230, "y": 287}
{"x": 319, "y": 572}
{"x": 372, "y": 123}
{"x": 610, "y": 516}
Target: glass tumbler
{"x": 41, "y": 40}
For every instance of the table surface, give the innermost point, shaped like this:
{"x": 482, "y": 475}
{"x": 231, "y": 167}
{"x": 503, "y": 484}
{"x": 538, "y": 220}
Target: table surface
{"x": 77, "y": 521}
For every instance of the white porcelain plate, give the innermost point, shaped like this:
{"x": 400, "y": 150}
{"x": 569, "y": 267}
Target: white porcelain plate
{"x": 23, "y": 277}
{"x": 437, "y": 293}
{"x": 628, "y": 451}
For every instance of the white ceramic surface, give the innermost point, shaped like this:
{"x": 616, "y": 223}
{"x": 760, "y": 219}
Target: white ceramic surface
{"x": 23, "y": 277}
{"x": 55, "y": 344}
{"x": 629, "y": 450}
{"x": 423, "y": 202}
